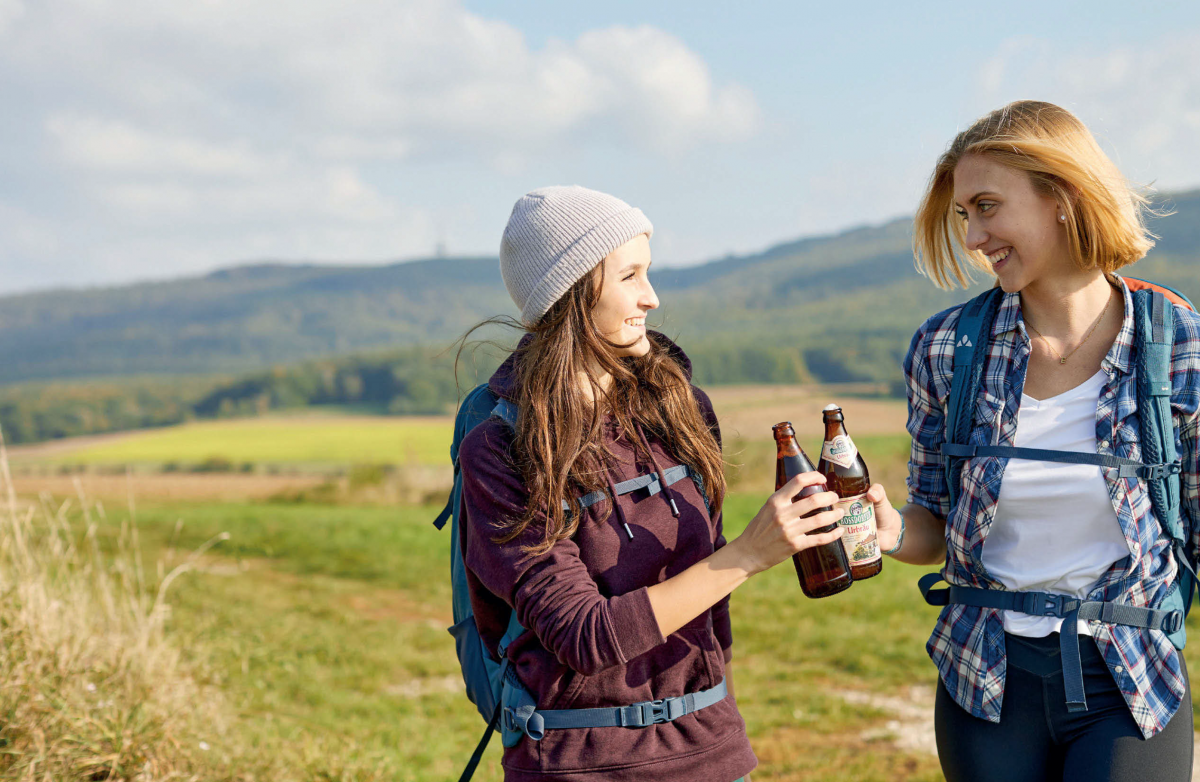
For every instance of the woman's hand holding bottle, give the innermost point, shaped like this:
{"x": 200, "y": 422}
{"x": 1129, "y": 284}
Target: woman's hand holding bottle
{"x": 781, "y": 529}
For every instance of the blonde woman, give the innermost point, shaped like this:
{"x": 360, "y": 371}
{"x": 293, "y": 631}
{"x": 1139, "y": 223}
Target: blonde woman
{"x": 1026, "y": 195}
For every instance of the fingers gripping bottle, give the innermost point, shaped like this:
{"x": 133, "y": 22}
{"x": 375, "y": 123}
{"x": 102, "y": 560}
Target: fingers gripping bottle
{"x": 846, "y": 474}
{"x": 823, "y": 570}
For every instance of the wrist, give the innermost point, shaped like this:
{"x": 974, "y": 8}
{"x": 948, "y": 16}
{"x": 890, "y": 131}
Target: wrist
{"x": 894, "y": 535}
{"x": 736, "y": 556}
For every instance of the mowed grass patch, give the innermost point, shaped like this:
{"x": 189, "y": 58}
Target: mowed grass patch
{"x": 279, "y": 440}
{"x": 327, "y": 629}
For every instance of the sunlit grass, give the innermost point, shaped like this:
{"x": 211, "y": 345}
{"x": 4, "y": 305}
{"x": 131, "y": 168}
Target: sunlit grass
{"x": 279, "y": 440}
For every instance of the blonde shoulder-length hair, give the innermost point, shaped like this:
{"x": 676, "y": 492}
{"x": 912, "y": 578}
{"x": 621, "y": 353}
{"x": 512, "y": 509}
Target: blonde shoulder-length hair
{"x": 1105, "y": 216}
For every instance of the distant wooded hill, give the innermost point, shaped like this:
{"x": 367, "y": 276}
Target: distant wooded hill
{"x": 825, "y": 297}
{"x": 833, "y": 309}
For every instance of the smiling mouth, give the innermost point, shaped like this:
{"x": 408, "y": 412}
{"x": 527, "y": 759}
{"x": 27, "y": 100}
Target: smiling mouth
{"x": 999, "y": 255}
{"x": 635, "y": 322}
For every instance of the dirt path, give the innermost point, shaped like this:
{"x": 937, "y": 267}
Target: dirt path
{"x": 911, "y": 724}
{"x": 170, "y": 487}
{"x": 751, "y": 411}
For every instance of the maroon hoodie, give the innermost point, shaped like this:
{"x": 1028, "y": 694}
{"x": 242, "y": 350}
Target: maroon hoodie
{"x": 593, "y": 640}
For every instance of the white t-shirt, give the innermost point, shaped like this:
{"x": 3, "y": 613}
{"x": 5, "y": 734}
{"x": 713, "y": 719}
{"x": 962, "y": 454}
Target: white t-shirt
{"x": 1055, "y": 529}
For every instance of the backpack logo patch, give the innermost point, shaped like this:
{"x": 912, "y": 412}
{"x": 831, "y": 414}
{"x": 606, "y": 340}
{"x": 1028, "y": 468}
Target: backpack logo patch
{"x": 964, "y": 342}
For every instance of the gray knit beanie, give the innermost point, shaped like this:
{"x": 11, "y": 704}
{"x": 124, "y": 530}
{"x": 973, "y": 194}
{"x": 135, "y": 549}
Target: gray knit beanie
{"x": 555, "y": 236}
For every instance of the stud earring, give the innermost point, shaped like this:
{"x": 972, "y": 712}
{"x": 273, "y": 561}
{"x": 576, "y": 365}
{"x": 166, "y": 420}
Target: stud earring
{"x": 1062, "y": 218}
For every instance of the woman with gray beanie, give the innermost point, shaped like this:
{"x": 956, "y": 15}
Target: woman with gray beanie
{"x": 594, "y": 517}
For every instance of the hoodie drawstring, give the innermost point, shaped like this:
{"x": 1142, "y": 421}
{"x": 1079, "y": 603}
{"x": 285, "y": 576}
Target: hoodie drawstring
{"x": 662, "y": 479}
{"x": 612, "y": 489}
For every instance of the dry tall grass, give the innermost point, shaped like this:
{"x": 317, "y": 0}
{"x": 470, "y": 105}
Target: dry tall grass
{"x": 89, "y": 687}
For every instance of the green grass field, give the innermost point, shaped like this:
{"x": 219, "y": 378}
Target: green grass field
{"x": 329, "y": 643}
{"x": 278, "y": 440}
{"x": 322, "y": 627}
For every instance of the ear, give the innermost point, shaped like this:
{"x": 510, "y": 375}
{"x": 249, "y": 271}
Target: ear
{"x": 1066, "y": 200}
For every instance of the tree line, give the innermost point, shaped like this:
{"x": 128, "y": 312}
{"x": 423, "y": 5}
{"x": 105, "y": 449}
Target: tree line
{"x": 409, "y": 381}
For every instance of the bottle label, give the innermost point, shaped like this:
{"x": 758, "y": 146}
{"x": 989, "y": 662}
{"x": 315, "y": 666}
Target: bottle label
{"x": 859, "y": 539}
{"x": 840, "y": 450}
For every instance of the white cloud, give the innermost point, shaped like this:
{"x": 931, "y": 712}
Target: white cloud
{"x": 278, "y": 127}
{"x": 1141, "y": 102}
{"x": 95, "y": 144}
{"x": 10, "y": 11}
{"x": 396, "y": 77}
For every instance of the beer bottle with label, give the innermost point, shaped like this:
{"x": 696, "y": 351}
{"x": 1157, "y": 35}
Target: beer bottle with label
{"x": 846, "y": 474}
{"x": 823, "y": 570}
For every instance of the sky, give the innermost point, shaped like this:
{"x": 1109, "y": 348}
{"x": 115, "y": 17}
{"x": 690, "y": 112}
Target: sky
{"x": 149, "y": 140}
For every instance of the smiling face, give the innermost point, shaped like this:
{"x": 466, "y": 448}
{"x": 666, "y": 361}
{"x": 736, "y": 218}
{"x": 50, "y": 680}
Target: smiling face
{"x": 1011, "y": 222}
{"x": 626, "y": 296}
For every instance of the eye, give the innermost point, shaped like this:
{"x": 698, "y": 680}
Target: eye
{"x": 986, "y": 206}
{"x": 961, "y": 213}
{"x": 629, "y": 277}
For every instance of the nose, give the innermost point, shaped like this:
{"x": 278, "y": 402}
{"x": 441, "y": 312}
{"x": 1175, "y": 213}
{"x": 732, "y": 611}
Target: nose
{"x": 649, "y": 299}
{"x": 976, "y": 236}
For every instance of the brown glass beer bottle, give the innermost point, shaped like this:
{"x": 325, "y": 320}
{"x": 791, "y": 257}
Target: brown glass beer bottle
{"x": 846, "y": 474}
{"x": 823, "y": 570}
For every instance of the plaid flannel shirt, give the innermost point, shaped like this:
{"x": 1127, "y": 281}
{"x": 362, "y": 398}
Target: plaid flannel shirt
{"x": 967, "y": 644}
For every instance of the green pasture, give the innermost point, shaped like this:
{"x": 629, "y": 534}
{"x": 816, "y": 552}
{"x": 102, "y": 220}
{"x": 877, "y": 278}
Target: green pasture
{"x": 279, "y": 440}
{"x": 324, "y": 628}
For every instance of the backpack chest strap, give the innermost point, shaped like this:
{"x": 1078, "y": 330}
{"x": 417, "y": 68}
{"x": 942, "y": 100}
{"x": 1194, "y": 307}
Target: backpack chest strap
{"x": 648, "y": 481}
{"x": 1126, "y": 468}
{"x": 1071, "y": 610}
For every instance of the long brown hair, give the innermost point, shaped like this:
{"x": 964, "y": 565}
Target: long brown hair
{"x": 559, "y": 450}
{"x": 1105, "y": 216}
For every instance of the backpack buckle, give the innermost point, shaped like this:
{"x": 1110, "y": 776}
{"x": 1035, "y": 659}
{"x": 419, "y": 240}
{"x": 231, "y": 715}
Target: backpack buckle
{"x": 1044, "y": 604}
{"x": 1172, "y": 622}
{"x": 1157, "y": 472}
{"x": 652, "y": 712}
{"x": 655, "y": 711}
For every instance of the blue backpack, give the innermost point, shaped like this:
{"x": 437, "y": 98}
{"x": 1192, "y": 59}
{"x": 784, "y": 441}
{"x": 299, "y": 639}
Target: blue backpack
{"x": 492, "y": 685}
{"x": 1160, "y": 469}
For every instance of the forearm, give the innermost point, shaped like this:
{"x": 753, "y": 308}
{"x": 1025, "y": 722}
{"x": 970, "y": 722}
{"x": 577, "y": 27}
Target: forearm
{"x": 683, "y": 597}
{"x": 924, "y": 537}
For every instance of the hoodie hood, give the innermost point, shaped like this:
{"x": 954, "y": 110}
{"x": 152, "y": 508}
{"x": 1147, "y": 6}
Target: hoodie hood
{"x": 502, "y": 381}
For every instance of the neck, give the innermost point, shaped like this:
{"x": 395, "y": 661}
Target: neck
{"x": 1066, "y": 307}
{"x": 603, "y": 379}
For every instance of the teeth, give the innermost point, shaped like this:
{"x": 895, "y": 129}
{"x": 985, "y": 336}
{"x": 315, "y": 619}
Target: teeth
{"x": 635, "y": 321}
{"x": 999, "y": 256}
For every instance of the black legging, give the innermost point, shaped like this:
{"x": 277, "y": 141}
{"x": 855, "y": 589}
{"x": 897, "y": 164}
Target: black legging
{"x": 1038, "y": 740}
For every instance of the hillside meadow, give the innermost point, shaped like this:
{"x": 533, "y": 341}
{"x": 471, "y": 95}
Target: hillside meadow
{"x": 306, "y": 628}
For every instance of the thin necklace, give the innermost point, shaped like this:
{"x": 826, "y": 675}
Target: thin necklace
{"x": 1061, "y": 358}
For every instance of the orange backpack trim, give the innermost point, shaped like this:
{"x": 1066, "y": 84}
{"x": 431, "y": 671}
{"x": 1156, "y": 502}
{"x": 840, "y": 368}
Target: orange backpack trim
{"x": 1135, "y": 284}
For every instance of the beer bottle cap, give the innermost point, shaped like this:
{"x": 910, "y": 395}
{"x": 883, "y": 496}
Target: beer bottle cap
{"x": 829, "y": 407}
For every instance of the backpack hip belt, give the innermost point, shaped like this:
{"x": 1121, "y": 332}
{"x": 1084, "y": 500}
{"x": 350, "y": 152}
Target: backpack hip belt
{"x": 534, "y": 722}
{"x": 1071, "y": 610}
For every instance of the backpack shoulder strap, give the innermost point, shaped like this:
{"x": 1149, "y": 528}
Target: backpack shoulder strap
{"x": 1154, "y": 325}
{"x": 506, "y": 411}
{"x": 476, "y": 407}
{"x": 1176, "y": 297}
{"x": 970, "y": 351}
